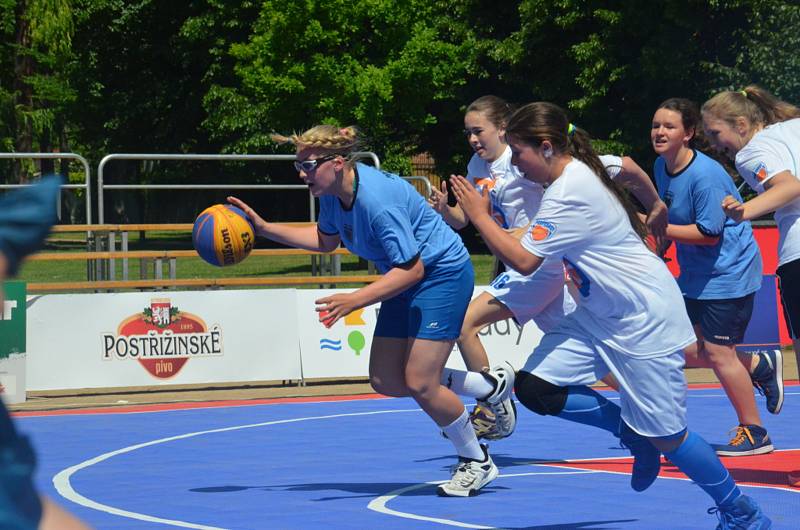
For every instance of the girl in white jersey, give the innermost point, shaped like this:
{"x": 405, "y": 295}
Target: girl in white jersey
{"x": 541, "y": 296}
{"x": 761, "y": 134}
{"x": 628, "y": 321}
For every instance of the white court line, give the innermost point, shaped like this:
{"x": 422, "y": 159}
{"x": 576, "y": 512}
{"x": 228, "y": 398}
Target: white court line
{"x": 62, "y": 483}
{"x": 61, "y": 480}
{"x": 379, "y": 503}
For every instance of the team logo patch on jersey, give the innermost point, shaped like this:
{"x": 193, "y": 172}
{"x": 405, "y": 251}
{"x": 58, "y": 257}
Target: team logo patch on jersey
{"x": 760, "y": 172}
{"x": 541, "y": 230}
{"x": 485, "y": 183}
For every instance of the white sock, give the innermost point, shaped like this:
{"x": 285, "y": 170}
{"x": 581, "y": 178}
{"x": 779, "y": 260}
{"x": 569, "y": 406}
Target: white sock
{"x": 461, "y": 433}
{"x": 472, "y": 384}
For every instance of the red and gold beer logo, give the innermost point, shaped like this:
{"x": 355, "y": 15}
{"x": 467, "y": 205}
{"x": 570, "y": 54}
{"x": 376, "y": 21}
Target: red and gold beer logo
{"x": 162, "y": 338}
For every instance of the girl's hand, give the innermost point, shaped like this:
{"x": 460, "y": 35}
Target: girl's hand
{"x": 657, "y": 220}
{"x": 733, "y": 208}
{"x": 336, "y": 306}
{"x": 258, "y": 223}
{"x": 473, "y": 203}
{"x": 438, "y": 199}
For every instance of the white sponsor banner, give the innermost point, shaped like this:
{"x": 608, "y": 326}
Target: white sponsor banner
{"x": 344, "y": 349}
{"x": 12, "y": 378}
{"x": 341, "y": 350}
{"x": 154, "y": 338}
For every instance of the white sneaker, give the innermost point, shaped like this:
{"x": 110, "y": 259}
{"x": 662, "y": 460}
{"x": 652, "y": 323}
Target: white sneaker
{"x": 469, "y": 476}
{"x": 500, "y": 402}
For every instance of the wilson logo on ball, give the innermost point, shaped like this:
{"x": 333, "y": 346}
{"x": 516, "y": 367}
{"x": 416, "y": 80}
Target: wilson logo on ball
{"x": 223, "y": 235}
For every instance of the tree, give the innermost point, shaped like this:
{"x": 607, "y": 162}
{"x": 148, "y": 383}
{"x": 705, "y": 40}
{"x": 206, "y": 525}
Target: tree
{"x": 380, "y": 64}
{"x": 37, "y": 90}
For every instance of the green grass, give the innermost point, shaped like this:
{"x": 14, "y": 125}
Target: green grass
{"x": 65, "y": 271}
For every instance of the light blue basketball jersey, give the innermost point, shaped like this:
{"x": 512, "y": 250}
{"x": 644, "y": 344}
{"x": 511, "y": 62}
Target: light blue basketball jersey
{"x": 390, "y": 224}
{"x": 732, "y": 267}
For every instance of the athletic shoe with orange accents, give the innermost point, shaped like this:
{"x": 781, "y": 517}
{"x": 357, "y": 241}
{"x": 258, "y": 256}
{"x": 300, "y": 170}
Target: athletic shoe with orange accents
{"x": 749, "y": 440}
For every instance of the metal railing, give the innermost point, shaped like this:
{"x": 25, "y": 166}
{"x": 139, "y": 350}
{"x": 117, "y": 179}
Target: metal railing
{"x": 102, "y": 186}
{"x": 317, "y": 262}
{"x": 57, "y": 156}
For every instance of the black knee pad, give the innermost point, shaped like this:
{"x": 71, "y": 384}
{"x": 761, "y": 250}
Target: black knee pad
{"x": 538, "y": 395}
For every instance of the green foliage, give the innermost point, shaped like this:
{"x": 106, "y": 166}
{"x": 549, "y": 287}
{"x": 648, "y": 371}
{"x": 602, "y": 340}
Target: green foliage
{"x": 380, "y": 64}
{"x": 221, "y": 75}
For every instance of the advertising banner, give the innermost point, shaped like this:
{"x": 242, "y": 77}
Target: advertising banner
{"x": 344, "y": 349}
{"x": 155, "y": 338}
{"x": 341, "y": 350}
{"x": 12, "y": 342}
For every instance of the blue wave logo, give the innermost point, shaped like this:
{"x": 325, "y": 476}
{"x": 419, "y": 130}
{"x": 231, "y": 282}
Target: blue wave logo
{"x": 328, "y": 344}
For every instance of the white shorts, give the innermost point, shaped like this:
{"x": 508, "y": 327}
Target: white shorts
{"x": 541, "y": 296}
{"x": 652, "y": 391}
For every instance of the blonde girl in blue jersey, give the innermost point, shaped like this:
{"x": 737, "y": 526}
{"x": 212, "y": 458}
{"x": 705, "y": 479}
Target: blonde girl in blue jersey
{"x": 628, "y": 321}
{"x": 720, "y": 271}
{"x": 426, "y": 285}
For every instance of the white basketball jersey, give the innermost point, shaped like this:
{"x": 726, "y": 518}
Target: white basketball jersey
{"x": 515, "y": 199}
{"x": 626, "y": 296}
{"x": 775, "y": 149}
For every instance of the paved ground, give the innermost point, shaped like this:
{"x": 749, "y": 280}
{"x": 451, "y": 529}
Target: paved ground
{"x": 115, "y": 397}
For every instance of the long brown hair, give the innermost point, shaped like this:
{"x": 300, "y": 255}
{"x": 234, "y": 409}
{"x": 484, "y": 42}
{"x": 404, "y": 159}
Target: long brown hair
{"x": 756, "y": 105}
{"x": 536, "y": 122}
{"x": 496, "y": 109}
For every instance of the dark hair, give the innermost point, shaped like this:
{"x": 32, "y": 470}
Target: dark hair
{"x": 753, "y": 103}
{"x": 536, "y": 122}
{"x": 494, "y": 108}
{"x": 690, "y": 117}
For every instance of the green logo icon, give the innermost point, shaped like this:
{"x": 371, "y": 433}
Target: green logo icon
{"x": 356, "y": 341}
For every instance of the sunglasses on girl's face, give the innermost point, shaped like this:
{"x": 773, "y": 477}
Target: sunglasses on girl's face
{"x": 311, "y": 165}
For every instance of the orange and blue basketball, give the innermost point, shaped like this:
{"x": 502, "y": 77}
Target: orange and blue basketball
{"x": 223, "y": 235}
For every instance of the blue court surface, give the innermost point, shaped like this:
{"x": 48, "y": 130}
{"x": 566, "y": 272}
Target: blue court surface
{"x": 374, "y": 463}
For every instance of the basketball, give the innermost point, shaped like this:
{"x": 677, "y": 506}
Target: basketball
{"x": 223, "y": 235}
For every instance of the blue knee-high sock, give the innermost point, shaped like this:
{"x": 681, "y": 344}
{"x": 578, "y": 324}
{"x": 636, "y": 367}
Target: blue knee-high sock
{"x": 701, "y": 464}
{"x": 587, "y": 406}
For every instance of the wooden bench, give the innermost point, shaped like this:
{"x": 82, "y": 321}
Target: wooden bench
{"x": 101, "y": 241}
{"x": 102, "y": 253}
{"x": 169, "y": 254}
{"x": 205, "y": 283}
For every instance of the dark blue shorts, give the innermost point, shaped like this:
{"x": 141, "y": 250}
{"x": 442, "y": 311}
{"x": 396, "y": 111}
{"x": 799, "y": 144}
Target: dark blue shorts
{"x": 789, "y": 285}
{"x": 433, "y": 309}
{"x": 721, "y": 321}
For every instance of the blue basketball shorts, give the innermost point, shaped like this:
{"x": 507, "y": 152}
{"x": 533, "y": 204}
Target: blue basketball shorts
{"x": 433, "y": 309}
{"x": 721, "y": 321}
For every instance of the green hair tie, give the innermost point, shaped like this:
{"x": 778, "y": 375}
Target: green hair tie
{"x": 743, "y": 92}
{"x": 570, "y": 129}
